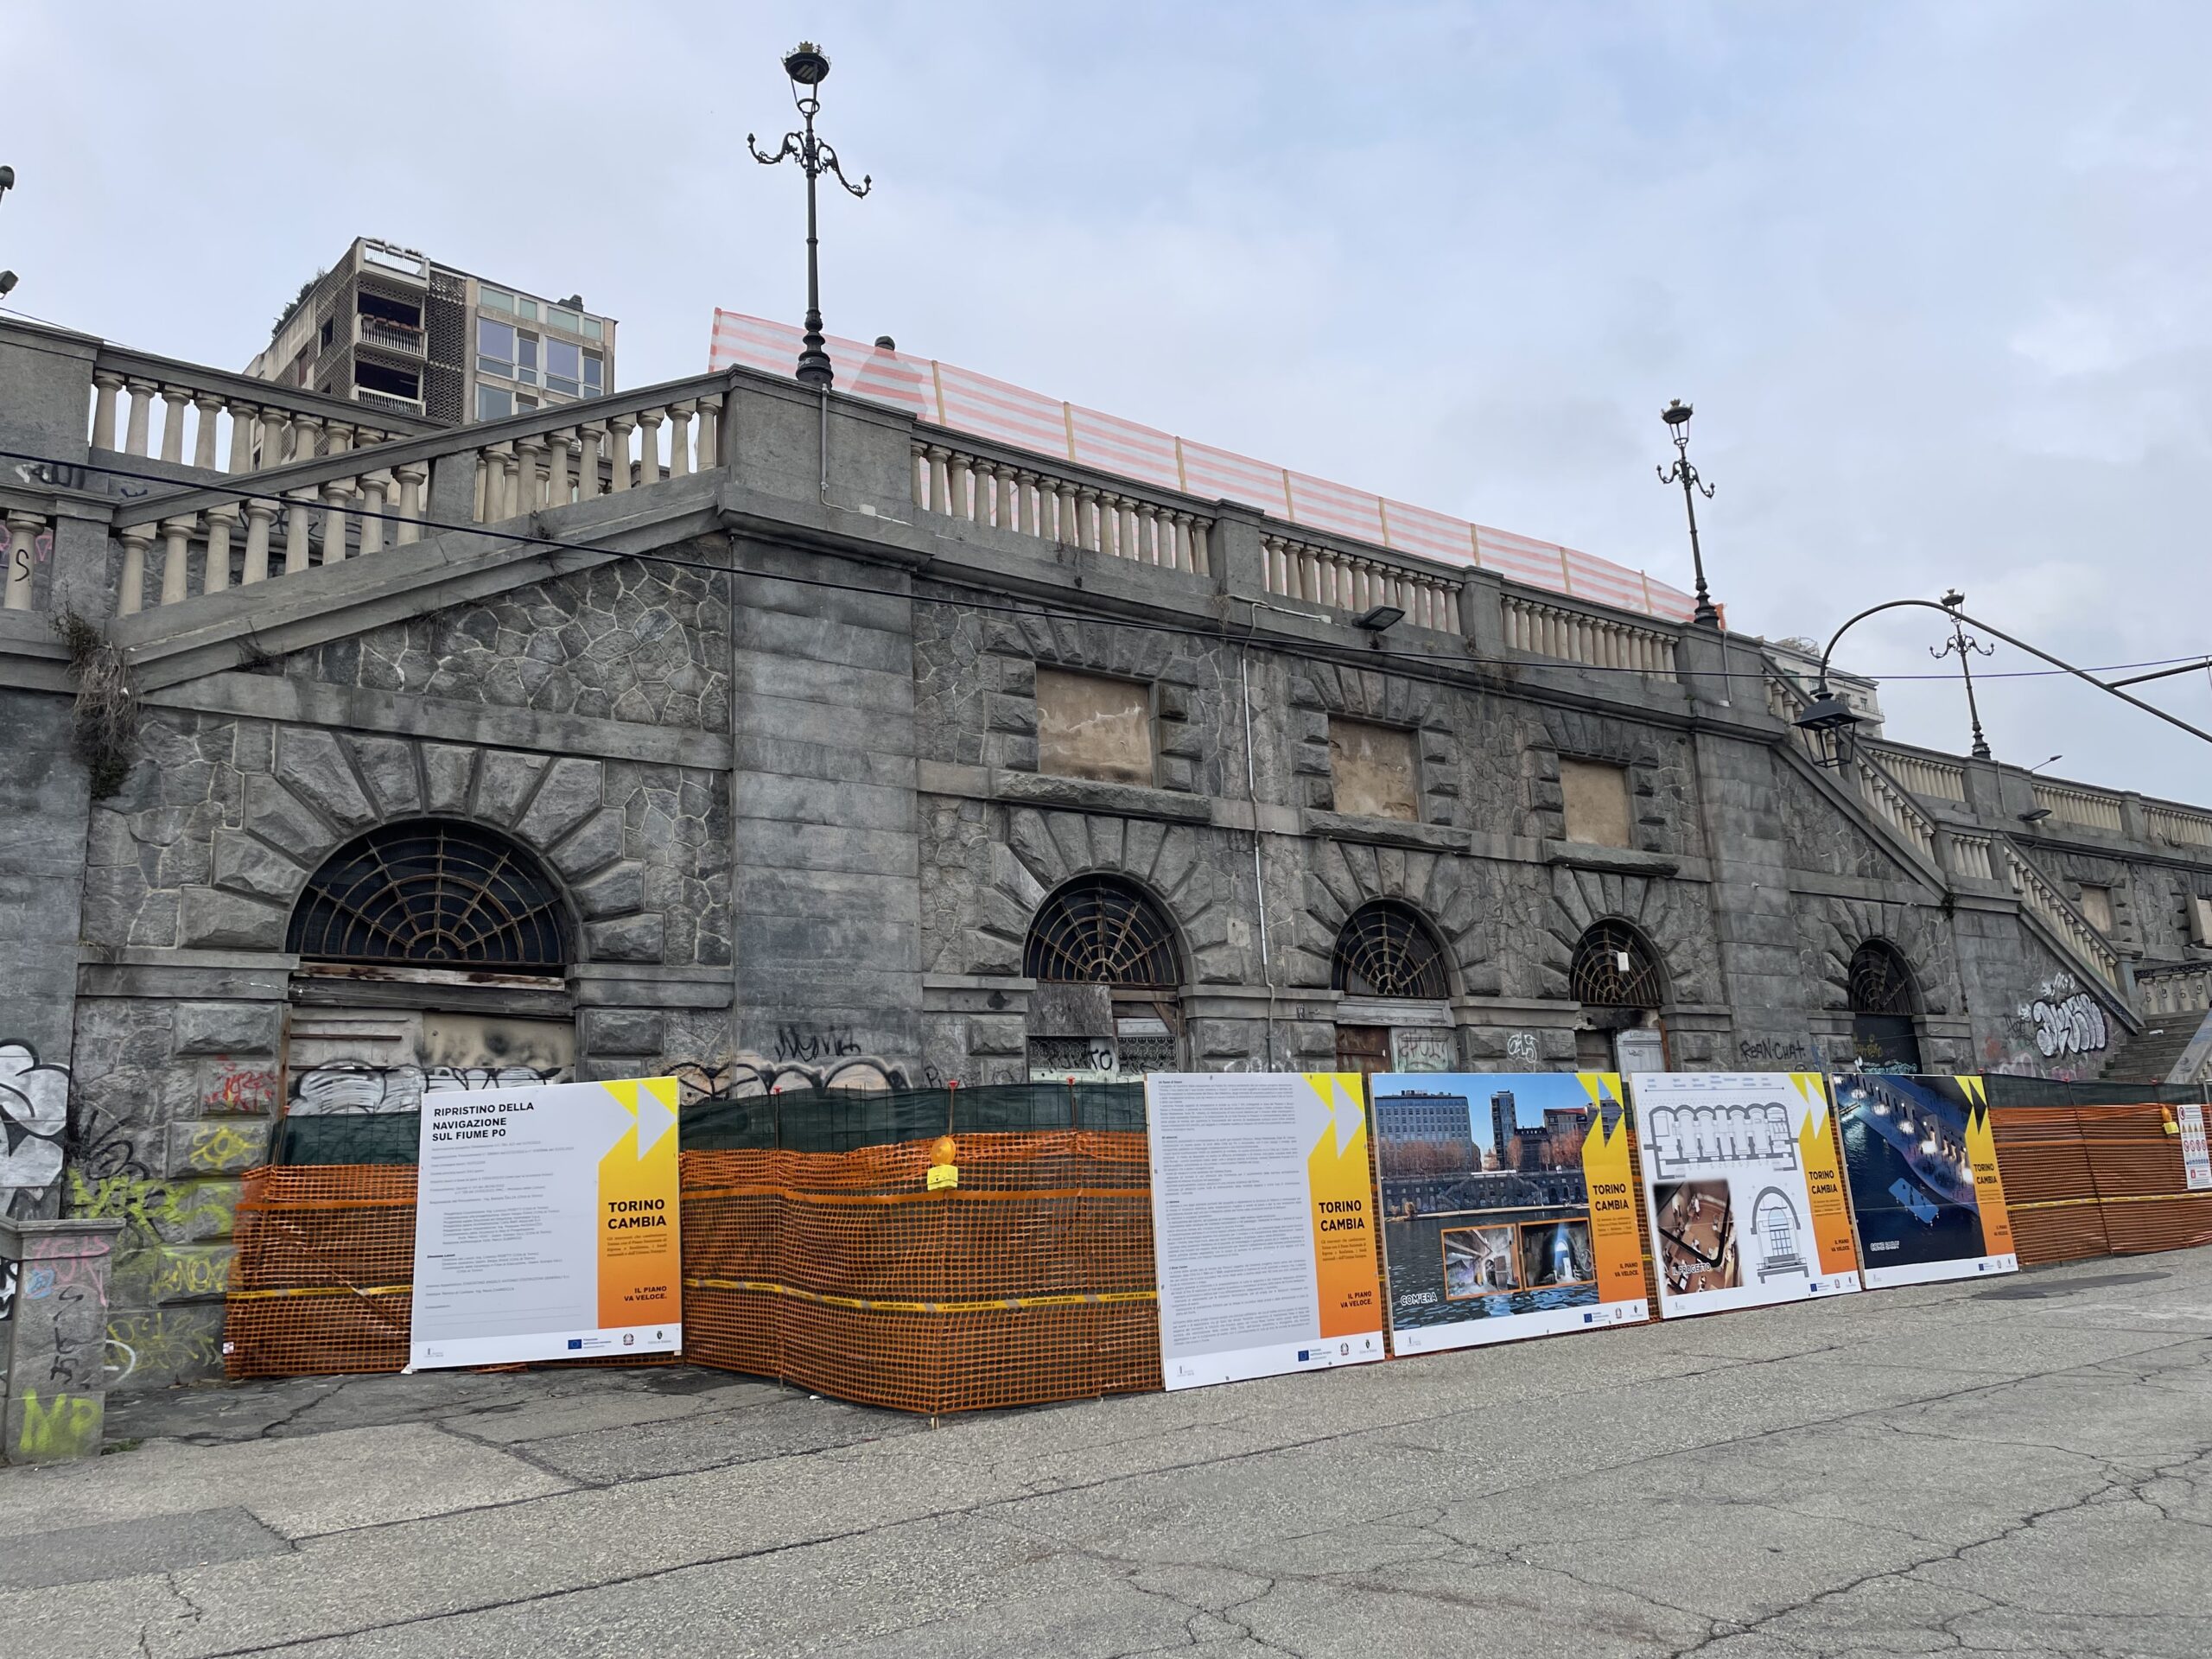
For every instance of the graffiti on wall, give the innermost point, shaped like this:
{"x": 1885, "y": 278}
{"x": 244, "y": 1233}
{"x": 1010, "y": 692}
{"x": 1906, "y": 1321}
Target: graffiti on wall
{"x": 358, "y": 1086}
{"x": 34, "y": 1118}
{"x": 750, "y": 1074}
{"x": 2064, "y": 1019}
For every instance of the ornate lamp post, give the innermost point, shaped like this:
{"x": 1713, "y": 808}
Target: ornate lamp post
{"x": 1966, "y": 647}
{"x": 808, "y": 68}
{"x": 1677, "y": 416}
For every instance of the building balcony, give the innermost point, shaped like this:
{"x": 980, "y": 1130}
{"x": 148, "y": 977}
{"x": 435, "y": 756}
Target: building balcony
{"x": 400, "y": 338}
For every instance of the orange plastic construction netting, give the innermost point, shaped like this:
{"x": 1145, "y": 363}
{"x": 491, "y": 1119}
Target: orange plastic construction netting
{"x": 1029, "y": 1280}
{"x": 2096, "y": 1180}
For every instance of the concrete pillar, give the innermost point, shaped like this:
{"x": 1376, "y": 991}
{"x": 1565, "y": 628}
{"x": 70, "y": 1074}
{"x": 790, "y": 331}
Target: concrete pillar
{"x": 53, "y": 1342}
{"x": 205, "y": 407}
{"x": 173, "y": 423}
{"x": 258, "y": 515}
{"x": 131, "y": 599}
{"x": 176, "y": 546}
{"x": 142, "y": 404}
{"x": 217, "y": 575}
{"x": 106, "y": 383}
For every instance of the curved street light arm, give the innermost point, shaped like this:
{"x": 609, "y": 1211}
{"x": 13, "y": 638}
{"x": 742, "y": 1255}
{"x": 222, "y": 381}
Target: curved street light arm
{"x": 2022, "y": 644}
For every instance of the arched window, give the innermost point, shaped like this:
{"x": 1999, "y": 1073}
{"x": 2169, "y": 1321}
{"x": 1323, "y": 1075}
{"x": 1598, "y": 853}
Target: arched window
{"x": 1882, "y": 1002}
{"x": 1615, "y": 967}
{"x": 432, "y": 894}
{"x": 1100, "y": 930}
{"x": 1386, "y": 950}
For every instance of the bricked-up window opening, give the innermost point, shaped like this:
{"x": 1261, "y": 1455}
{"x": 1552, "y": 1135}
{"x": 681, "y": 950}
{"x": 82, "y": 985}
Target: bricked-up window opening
{"x": 1615, "y": 967}
{"x": 1372, "y": 770}
{"x": 1883, "y": 1036}
{"x": 1092, "y": 727}
{"x": 430, "y": 895}
{"x": 2096, "y": 907}
{"x": 1595, "y": 798}
{"x": 1385, "y": 949}
{"x": 1096, "y": 930}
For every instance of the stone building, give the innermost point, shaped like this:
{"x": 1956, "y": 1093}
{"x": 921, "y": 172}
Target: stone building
{"x": 706, "y": 727}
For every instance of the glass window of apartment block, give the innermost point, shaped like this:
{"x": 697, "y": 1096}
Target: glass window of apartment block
{"x": 526, "y": 359}
{"x": 1089, "y": 727}
{"x": 527, "y": 309}
{"x": 494, "y": 403}
{"x": 1597, "y": 802}
{"x": 495, "y": 299}
{"x": 495, "y": 347}
{"x": 594, "y": 370}
{"x": 2096, "y": 907}
{"x": 563, "y": 366}
{"x": 593, "y": 329}
{"x": 1373, "y": 769}
{"x": 566, "y": 320}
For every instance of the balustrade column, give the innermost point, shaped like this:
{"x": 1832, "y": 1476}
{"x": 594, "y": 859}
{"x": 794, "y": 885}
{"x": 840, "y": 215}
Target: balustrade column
{"x": 258, "y": 512}
{"x": 173, "y": 423}
{"x": 205, "y": 408}
{"x": 105, "y": 384}
{"x": 1068, "y": 530}
{"x": 217, "y": 575}
{"x": 274, "y": 425}
{"x": 558, "y": 487}
{"x": 141, "y": 404}
{"x": 940, "y": 479}
{"x": 412, "y": 476}
{"x": 296, "y": 520}
{"x": 618, "y": 432}
{"x": 1087, "y": 526}
{"x": 679, "y": 438}
{"x": 335, "y": 493}
{"x": 529, "y": 475}
{"x": 177, "y": 543}
{"x": 649, "y": 422}
{"x": 376, "y": 490}
{"x": 131, "y": 598}
{"x": 243, "y": 416}
{"x": 499, "y": 482}
{"x": 22, "y": 546}
{"x": 587, "y": 447}
{"x": 305, "y": 430}
{"x": 1028, "y": 501}
{"x": 340, "y": 438}
{"x": 710, "y": 432}
{"x": 963, "y": 474}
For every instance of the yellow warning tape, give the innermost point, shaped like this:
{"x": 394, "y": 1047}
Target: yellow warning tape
{"x": 866, "y": 1305}
{"x": 322, "y": 1290}
{"x": 2123, "y": 1198}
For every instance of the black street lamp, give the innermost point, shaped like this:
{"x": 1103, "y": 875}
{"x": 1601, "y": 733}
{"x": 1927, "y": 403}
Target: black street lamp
{"x": 1966, "y": 647}
{"x": 1677, "y": 416}
{"x": 808, "y": 68}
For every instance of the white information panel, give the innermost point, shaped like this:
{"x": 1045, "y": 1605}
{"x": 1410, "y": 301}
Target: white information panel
{"x": 1262, "y": 1224}
{"x": 546, "y": 1225}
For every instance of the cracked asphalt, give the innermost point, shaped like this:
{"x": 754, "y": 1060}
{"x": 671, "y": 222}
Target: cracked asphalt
{"x": 2022, "y": 1467}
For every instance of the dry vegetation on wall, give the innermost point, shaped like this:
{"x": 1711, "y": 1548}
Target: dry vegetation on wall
{"x": 103, "y": 731}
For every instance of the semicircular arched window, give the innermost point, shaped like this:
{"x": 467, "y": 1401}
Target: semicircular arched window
{"x": 1386, "y": 950}
{"x": 1615, "y": 967}
{"x": 1880, "y": 981}
{"x": 1098, "y": 931}
{"x": 431, "y": 894}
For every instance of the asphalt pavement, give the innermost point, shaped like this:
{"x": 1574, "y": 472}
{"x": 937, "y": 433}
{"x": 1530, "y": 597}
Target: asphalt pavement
{"x": 2022, "y": 1467}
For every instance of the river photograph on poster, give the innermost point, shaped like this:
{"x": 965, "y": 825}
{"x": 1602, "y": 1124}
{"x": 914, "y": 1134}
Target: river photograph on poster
{"x": 1742, "y": 1189}
{"x": 1926, "y": 1197}
{"x": 1507, "y": 1205}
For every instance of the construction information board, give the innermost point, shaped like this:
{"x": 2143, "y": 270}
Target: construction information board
{"x": 546, "y": 1225}
{"x": 1262, "y": 1224}
{"x": 1742, "y": 1188}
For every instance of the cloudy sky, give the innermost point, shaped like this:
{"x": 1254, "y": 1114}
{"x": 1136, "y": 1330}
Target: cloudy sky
{"x": 1933, "y": 274}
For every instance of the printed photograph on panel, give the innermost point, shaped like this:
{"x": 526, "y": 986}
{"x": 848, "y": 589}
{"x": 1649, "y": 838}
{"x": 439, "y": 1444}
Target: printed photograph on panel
{"x": 1925, "y": 1197}
{"x": 1487, "y": 1204}
{"x": 1744, "y": 1189}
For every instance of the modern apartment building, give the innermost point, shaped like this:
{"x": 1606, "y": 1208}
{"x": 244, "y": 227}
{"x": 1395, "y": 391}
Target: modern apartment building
{"x": 391, "y": 327}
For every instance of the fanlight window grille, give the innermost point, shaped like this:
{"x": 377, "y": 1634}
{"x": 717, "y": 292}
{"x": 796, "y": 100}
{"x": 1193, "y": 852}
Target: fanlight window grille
{"x": 1385, "y": 949}
{"x": 1100, "y": 932}
{"x": 1880, "y": 982}
{"x": 1614, "y": 968}
{"x": 432, "y": 894}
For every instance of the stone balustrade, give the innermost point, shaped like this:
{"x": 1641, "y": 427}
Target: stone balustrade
{"x": 2185, "y": 988}
{"x": 1930, "y": 777}
{"x": 30, "y": 540}
{"x": 2044, "y": 901}
{"x": 1344, "y": 580}
{"x": 633, "y": 446}
{"x": 1542, "y": 628}
{"x": 1893, "y": 803}
{"x": 1017, "y": 494}
{"x": 2086, "y": 808}
{"x": 2177, "y": 826}
{"x": 222, "y": 422}
{"x": 1971, "y": 857}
